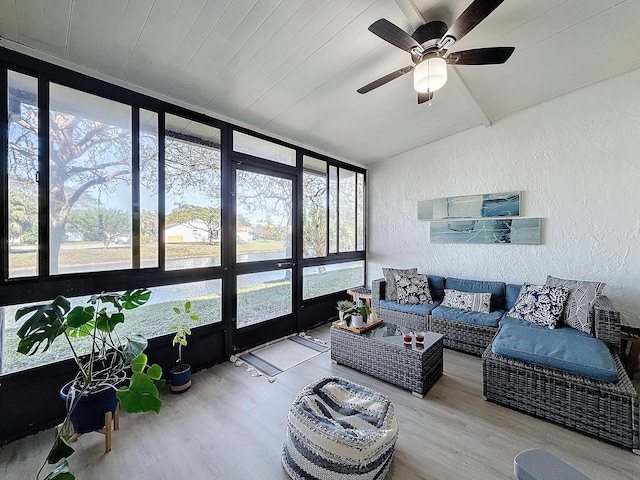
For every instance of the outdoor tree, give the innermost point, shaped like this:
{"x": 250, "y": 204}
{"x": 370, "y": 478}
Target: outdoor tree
{"x": 148, "y": 226}
{"x": 89, "y": 152}
{"x": 314, "y": 226}
{"x": 267, "y": 200}
{"x": 192, "y": 166}
{"x": 23, "y": 213}
{"x": 90, "y": 155}
{"x": 99, "y": 224}
{"x": 206, "y": 219}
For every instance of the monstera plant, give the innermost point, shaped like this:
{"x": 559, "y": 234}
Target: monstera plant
{"x": 114, "y": 367}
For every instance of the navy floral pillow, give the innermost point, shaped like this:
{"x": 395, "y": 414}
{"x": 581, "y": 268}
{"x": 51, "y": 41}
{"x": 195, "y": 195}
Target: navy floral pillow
{"x": 577, "y": 311}
{"x": 541, "y": 304}
{"x": 413, "y": 289}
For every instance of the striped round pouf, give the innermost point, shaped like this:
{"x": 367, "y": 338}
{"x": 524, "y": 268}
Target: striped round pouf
{"x": 339, "y": 430}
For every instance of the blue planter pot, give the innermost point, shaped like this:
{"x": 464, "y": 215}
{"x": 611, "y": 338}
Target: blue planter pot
{"x": 180, "y": 378}
{"x": 88, "y": 414}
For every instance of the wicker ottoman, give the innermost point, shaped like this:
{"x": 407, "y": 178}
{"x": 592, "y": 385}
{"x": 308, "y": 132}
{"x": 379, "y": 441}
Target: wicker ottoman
{"x": 337, "y": 429}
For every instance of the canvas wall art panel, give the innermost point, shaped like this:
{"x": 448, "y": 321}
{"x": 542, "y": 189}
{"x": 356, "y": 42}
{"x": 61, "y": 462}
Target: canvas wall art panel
{"x": 502, "y": 230}
{"x": 505, "y": 204}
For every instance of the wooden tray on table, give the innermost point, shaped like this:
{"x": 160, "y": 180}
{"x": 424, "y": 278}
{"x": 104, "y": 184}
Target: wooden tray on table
{"x": 368, "y": 326}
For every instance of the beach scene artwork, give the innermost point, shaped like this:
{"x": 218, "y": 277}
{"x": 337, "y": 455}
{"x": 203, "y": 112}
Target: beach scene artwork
{"x": 504, "y": 230}
{"x": 484, "y": 205}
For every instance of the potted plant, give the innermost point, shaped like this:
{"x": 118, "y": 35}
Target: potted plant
{"x": 345, "y": 309}
{"x": 360, "y": 315}
{"x": 103, "y": 374}
{"x": 180, "y": 374}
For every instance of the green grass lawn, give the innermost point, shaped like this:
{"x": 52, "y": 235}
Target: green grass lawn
{"x": 90, "y": 255}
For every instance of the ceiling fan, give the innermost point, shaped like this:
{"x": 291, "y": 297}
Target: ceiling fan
{"x": 429, "y": 49}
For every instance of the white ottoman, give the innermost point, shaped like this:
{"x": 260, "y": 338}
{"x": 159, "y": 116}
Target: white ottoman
{"x": 339, "y": 430}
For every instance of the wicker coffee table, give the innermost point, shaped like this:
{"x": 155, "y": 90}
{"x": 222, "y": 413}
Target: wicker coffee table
{"x": 380, "y": 352}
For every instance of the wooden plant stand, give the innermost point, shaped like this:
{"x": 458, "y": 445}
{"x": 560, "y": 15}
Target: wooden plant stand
{"x": 109, "y": 418}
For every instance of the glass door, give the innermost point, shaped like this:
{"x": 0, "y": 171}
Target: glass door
{"x": 264, "y": 268}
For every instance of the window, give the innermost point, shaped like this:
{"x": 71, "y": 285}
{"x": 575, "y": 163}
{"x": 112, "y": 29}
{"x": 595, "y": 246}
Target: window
{"x": 192, "y": 194}
{"x": 151, "y": 320}
{"x": 325, "y": 279}
{"x": 314, "y": 221}
{"x": 262, "y": 296}
{"x": 360, "y": 203}
{"x": 263, "y": 216}
{"x": 257, "y": 147}
{"x": 148, "y": 145}
{"x": 89, "y": 182}
{"x": 23, "y": 170}
{"x": 347, "y": 209}
{"x": 97, "y": 178}
{"x": 333, "y": 209}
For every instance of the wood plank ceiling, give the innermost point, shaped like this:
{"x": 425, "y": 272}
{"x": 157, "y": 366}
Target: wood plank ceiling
{"x": 290, "y": 68}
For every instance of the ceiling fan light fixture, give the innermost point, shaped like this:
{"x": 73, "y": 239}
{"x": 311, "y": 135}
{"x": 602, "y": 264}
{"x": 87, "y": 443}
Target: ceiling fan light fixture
{"x": 430, "y": 75}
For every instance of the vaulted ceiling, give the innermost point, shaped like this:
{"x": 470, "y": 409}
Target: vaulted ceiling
{"x": 290, "y": 68}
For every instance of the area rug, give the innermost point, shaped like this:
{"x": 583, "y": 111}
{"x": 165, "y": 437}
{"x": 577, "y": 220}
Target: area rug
{"x": 278, "y": 357}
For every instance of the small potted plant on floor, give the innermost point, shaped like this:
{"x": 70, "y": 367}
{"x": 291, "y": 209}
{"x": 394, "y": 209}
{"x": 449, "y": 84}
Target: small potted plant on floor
{"x": 345, "y": 309}
{"x": 114, "y": 371}
{"x": 180, "y": 374}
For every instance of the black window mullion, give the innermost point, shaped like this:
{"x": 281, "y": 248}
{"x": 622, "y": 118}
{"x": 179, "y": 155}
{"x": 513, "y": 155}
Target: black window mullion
{"x": 43, "y": 178}
{"x": 4, "y": 181}
{"x": 327, "y": 203}
{"x": 227, "y": 238}
{"x": 135, "y": 187}
{"x": 161, "y": 190}
{"x": 338, "y": 194}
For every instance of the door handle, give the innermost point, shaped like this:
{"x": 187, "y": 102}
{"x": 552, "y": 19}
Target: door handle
{"x": 285, "y": 264}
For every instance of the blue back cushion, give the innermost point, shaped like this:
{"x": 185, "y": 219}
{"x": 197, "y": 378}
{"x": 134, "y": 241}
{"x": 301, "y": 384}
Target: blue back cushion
{"x": 512, "y": 291}
{"x": 496, "y": 289}
{"x": 436, "y": 287}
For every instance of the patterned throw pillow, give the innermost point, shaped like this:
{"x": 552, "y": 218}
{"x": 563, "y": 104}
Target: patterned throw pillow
{"x": 473, "y": 302}
{"x": 577, "y": 312}
{"x": 540, "y": 304}
{"x": 391, "y": 294}
{"x": 413, "y": 289}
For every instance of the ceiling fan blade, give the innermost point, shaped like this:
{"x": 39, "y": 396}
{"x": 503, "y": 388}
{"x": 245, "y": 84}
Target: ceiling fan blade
{"x": 392, "y": 34}
{"x": 424, "y": 97}
{"x": 472, "y": 16}
{"x": 386, "y": 79}
{"x": 480, "y": 56}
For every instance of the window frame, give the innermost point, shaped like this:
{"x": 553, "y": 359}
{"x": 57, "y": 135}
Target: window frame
{"x": 45, "y": 286}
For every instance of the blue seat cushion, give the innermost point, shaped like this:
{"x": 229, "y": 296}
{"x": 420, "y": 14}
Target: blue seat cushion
{"x": 496, "y": 289}
{"x": 578, "y": 354}
{"x": 490, "y": 319}
{"x": 506, "y": 320}
{"x": 422, "y": 309}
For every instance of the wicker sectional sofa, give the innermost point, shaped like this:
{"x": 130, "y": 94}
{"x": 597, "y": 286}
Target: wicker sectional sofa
{"x": 606, "y": 409}
{"x": 464, "y": 334}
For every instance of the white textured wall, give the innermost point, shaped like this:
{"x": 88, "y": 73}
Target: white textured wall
{"x": 577, "y": 161}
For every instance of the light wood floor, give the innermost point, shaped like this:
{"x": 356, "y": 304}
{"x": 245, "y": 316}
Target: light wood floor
{"x": 230, "y": 425}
